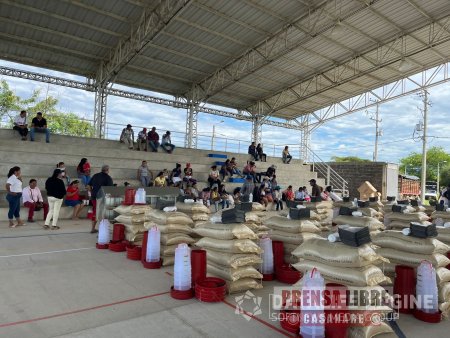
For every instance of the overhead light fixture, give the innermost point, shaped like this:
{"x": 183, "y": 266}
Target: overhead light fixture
{"x": 404, "y": 65}
{"x": 338, "y": 29}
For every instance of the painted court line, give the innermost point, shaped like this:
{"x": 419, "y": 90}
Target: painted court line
{"x": 46, "y": 252}
{"x": 46, "y": 234}
{"x": 81, "y": 310}
{"x": 284, "y": 333}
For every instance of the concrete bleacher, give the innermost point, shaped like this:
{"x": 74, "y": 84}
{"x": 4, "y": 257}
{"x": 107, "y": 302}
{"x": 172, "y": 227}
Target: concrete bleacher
{"x": 38, "y": 160}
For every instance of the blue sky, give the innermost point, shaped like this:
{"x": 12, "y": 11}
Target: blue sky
{"x": 352, "y": 135}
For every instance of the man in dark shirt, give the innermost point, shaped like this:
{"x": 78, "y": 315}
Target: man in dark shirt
{"x": 39, "y": 125}
{"x": 252, "y": 151}
{"x": 315, "y": 189}
{"x": 101, "y": 179}
{"x": 153, "y": 139}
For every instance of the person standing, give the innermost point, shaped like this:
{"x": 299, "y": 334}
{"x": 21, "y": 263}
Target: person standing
{"x": 153, "y": 140}
{"x": 32, "y": 199}
{"x": 101, "y": 179}
{"x": 166, "y": 143}
{"x": 73, "y": 199}
{"x": 261, "y": 154}
{"x": 14, "y": 192}
{"x": 144, "y": 175}
{"x": 39, "y": 125}
{"x": 142, "y": 140}
{"x": 247, "y": 188}
{"x": 20, "y": 124}
{"x": 56, "y": 190}
{"x": 286, "y": 156}
{"x": 127, "y": 136}
{"x": 277, "y": 198}
{"x": 84, "y": 171}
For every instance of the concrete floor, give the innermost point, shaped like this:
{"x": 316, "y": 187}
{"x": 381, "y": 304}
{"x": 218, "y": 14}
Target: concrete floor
{"x": 56, "y": 284}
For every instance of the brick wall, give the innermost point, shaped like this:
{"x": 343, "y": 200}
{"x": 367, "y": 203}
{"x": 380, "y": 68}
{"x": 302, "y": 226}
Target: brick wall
{"x": 356, "y": 173}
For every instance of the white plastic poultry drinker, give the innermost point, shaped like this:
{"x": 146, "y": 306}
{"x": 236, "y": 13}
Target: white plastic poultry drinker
{"x": 265, "y": 244}
{"x": 426, "y": 288}
{"x": 139, "y": 196}
{"x": 103, "y": 232}
{"x": 312, "y": 305}
{"x": 182, "y": 268}
{"x": 153, "y": 245}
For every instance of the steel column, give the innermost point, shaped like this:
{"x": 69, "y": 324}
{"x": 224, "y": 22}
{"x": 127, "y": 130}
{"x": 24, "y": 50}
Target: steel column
{"x": 101, "y": 96}
{"x": 191, "y": 126}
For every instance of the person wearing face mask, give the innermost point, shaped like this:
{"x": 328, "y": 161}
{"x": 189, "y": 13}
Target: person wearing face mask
{"x": 61, "y": 166}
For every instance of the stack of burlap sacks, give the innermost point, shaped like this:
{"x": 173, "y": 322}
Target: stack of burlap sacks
{"x": 345, "y": 265}
{"x": 322, "y": 212}
{"x": 440, "y": 218}
{"x": 292, "y": 233}
{"x": 232, "y": 254}
{"x": 133, "y": 217}
{"x": 175, "y": 228}
{"x": 411, "y": 251}
{"x": 400, "y": 220}
{"x": 373, "y": 210}
{"x": 197, "y": 211}
{"x": 372, "y": 222}
{"x": 254, "y": 219}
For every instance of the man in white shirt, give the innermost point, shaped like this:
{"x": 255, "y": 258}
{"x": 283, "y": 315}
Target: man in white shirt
{"x": 299, "y": 194}
{"x": 166, "y": 143}
{"x": 20, "y": 124}
{"x": 32, "y": 199}
{"x": 142, "y": 140}
{"x": 127, "y": 136}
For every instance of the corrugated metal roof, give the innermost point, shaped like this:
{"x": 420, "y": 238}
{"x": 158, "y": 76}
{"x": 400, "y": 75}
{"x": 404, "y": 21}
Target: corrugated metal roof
{"x": 228, "y": 48}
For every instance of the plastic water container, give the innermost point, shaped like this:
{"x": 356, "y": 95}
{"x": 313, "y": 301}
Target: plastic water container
{"x": 334, "y": 237}
{"x": 250, "y": 197}
{"x": 355, "y": 202}
{"x": 153, "y": 245}
{"x": 182, "y": 269}
{"x": 139, "y": 197}
{"x": 103, "y": 232}
{"x": 267, "y": 255}
{"x": 313, "y": 284}
{"x": 426, "y": 288}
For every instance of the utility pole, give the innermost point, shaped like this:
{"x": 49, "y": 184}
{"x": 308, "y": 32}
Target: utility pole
{"x": 378, "y": 132}
{"x": 423, "y": 178}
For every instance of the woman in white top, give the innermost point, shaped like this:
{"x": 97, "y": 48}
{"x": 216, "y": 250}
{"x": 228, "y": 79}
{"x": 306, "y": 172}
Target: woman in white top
{"x": 14, "y": 193}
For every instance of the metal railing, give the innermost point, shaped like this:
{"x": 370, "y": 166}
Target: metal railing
{"x": 339, "y": 184}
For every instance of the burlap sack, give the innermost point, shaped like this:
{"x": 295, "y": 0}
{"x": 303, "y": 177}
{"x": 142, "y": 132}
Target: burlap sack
{"x": 169, "y": 228}
{"x": 319, "y": 205}
{"x": 363, "y": 221}
{"x": 135, "y": 238}
{"x": 287, "y": 237}
{"x": 442, "y": 275}
{"x": 338, "y": 254}
{"x": 441, "y": 214}
{"x": 176, "y": 238}
{"x": 134, "y": 228}
{"x": 130, "y": 219}
{"x": 288, "y": 248}
{"x": 369, "y": 275}
{"x": 292, "y": 225}
{"x": 289, "y": 259}
{"x": 369, "y": 331}
{"x": 396, "y": 240}
{"x": 225, "y": 231}
{"x": 200, "y": 217}
{"x": 370, "y": 212}
{"x": 243, "y": 284}
{"x": 230, "y": 246}
{"x": 252, "y": 217}
{"x": 233, "y": 274}
{"x": 168, "y": 250}
{"x": 444, "y": 292}
{"x": 161, "y": 217}
{"x": 258, "y": 207}
{"x": 411, "y": 217}
{"x": 132, "y": 209}
{"x": 232, "y": 260}
{"x": 412, "y": 259}
{"x": 445, "y": 309}
{"x": 168, "y": 260}
{"x": 192, "y": 208}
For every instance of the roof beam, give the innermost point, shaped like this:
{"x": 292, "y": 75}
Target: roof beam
{"x": 147, "y": 28}
{"x": 272, "y": 48}
{"x": 96, "y": 10}
{"x": 89, "y": 86}
{"x": 352, "y": 69}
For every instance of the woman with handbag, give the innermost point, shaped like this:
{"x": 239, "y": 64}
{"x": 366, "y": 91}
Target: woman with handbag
{"x": 14, "y": 192}
{"x": 32, "y": 199}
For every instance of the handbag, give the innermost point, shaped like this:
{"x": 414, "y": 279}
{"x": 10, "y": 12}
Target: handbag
{"x": 38, "y": 206}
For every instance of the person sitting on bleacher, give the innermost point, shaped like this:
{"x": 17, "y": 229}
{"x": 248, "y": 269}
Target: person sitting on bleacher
{"x": 144, "y": 175}
{"x": 206, "y": 196}
{"x": 224, "y": 196}
{"x": 188, "y": 173}
{"x": 127, "y": 136}
{"x": 32, "y": 199}
{"x": 175, "y": 176}
{"x": 261, "y": 154}
{"x": 84, "y": 171}
{"x": 286, "y": 157}
{"x": 153, "y": 140}
{"x": 142, "y": 140}
{"x": 166, "y": 143}
{"x": 73, "y": 199}
{"x": 225, "y": 170}
{"x": 299, "y": 195}
{"x": 288, "y": 194}
{"x": 160, "y": 180}
{"x": 250, "y": 169}
{"x": 61, "y": 166}
{"x": 213, "y": 176}
{"x": 234, "y": 168}
{"x": 252, "y": 151}
{"x": 20, "y": 124}
{"x": 39, "y": 124}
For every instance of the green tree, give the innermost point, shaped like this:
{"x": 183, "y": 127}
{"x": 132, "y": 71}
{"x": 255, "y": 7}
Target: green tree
{"x": 413, "y": 163}
{"x": 348, "y": 159}
{"x": 58, "y": 122}
{"x": 445, "y": 176}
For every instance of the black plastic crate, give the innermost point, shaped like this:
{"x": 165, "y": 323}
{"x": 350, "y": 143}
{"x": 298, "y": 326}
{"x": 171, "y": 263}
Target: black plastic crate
{"x": 244, "y": 206}
{"x": 346, "y": 211}
{"x": 363, "y": 204}
{"x": 295, "y": 213}
{"x": 398, "y": 208}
